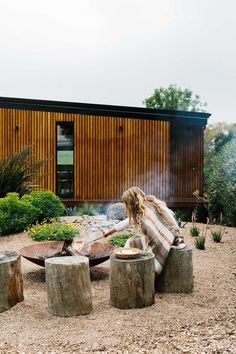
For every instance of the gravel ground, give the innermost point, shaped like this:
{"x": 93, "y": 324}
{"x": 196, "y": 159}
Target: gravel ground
{"x": 201, "y": 322}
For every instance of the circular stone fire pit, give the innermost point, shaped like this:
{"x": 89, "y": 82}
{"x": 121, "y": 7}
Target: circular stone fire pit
{"x": 99, "y": 252}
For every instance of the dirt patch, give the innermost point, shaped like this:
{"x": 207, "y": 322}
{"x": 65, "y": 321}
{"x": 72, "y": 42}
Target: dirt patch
{"x": 201, "y": 322}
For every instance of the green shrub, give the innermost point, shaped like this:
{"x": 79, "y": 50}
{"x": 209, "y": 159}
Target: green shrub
{"x": 55, "y": 231}
{"x": 17, "y": 171}
{"x": 220, "y": 180}
{"x": 16, "y": 214}
{"x": 49, "y": 204}
{"x": 120, "y": 239}
{"x": 88, "y": 209}
{"x": 200, "y": 242}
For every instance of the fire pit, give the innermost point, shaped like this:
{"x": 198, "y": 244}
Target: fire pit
{"x": 99, "y": 252}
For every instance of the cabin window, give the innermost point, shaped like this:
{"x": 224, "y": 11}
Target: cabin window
{"x": 65, "y": 159}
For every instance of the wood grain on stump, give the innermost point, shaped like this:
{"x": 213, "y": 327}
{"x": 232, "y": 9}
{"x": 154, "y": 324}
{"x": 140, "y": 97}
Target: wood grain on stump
{"x": 132, "y": 281}
{"x": 177, "y": 275}
{"x": 11, "y": 284}
{"x": 68, "y": 286}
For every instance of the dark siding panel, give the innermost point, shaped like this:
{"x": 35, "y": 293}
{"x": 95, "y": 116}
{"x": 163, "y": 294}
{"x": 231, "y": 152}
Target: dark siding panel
{"x": 186, "y": 159}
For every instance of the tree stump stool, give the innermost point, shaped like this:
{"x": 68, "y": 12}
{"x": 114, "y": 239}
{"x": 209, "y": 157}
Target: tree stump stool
{"x": 177, "y": 275}
{"x": 132, "y": 281}
{"x": 11, "y": 284}
{"x": 68, "y": 286}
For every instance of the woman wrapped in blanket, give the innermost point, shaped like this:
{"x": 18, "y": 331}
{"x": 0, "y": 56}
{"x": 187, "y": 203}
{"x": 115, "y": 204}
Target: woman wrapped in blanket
{"x": 156, "y": 222}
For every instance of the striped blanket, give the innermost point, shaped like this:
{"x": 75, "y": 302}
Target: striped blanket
{"x": 160, "y": 230}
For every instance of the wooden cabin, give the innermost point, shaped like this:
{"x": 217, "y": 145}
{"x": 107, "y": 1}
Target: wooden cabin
{"x": 95, "y": 152}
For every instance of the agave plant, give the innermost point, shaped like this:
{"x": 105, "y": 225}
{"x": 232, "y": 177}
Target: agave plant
{"x": 216, "y": 235}
{"x": 71, "y": 211}
{"x": 200, "y": 242}
{"x": 194, "y": 230}
{"x": 201, "y": 238}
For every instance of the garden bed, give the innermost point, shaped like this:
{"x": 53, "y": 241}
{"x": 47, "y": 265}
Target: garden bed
{"x": 201, "y": 322}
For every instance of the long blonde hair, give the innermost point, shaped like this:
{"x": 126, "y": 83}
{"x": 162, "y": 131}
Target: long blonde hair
{"x": 136, "y": 201}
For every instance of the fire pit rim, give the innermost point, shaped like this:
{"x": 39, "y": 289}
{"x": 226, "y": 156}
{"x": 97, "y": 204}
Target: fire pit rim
{"x": 40, "y": 260}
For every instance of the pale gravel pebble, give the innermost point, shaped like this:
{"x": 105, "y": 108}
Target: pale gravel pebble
{"x": 198, "y": 323}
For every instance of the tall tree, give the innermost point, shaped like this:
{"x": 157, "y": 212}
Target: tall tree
{"x": 215, "y": 137}
{"x": 174, "y": 97}
{"x": 220, "y": 183}
{"x": 220, "y": 170}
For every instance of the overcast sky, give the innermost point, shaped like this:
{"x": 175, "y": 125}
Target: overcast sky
{"x": 118, "y": 51}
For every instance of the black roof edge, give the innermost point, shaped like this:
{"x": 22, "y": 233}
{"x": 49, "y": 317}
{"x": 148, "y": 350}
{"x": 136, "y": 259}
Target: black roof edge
{"x": 101, "y": 109}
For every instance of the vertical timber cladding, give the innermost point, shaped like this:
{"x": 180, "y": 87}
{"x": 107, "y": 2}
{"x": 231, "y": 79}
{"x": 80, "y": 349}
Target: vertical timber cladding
{"x": 110, "y": 154}
{"x": 186, "y": 160}
{"x": 19, "y": 128}
{"x": 113, "y": 154}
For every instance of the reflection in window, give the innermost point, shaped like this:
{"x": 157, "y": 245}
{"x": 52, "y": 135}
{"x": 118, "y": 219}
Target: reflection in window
{"x": 65, "y": 160}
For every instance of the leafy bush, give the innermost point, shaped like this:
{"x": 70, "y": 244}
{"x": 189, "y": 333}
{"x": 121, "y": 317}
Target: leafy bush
{"x": 220, "y": 182}
{"x": 88, "y": 209}
{"x": 55, "y": 231}
{"x": 16, "y": 214}
{"x": 49, "y": 204}
{"x": 17, "y": 171}
{"x": 120, "y": 239}
{"x": 216, "y": 136}
{"x": 200, "y": 242}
